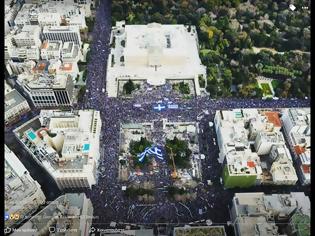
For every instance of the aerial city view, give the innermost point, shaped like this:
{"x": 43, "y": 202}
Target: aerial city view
{"x": 157, "y": 117}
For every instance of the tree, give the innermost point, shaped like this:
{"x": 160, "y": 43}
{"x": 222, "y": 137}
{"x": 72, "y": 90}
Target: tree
{"x": 129, "y": 87}
{"x": 180, "y": 150}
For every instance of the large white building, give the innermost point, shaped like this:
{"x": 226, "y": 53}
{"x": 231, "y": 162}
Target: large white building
{"x": 24, "y": 53}
{"x": 257, "y": 213}
{"x": 153, "y": 53}
{"x": 52, "y": 14}
{"x": 297, "y": 127}
{"x": 282, "y": 169}
{"x": 67, "y": 51}
{"x": 28, "y": 36}
{"x": 265, "y": 140}
{"x": 62, "y": 33}
{"x": 17, "y": 68}
{"x": 46, "y": 88}
{"x": 23, "y": 195}
{"x": 51, "y": 50}
{"x": 65, "y": 144}
{"x": 15, "y": 105}
{"x": 250, "y": 144}
{"x": 10, "y": 14}
{"x": 70, "y": 214}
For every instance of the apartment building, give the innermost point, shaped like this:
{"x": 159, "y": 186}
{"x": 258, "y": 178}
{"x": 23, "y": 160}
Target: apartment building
{"x": 258, "y": 213}
{"x": 15, "y": 105}
{"x": 45, "y": 89}
{"x": 297, "y": 128}
{"x": 23, "y": 195}
{"x": 71, "y": 213}
{"x": 246, "y": 138}
{"x": 65, "y": 144}
{"x": 28, "y": 36}
{"x": 50, "y": 50}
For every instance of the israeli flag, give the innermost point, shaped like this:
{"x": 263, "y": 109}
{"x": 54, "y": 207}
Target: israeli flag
{"x": 153, "y": 150}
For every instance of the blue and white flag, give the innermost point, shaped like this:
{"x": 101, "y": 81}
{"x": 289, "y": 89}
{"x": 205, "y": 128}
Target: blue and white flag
{"x": 159, "y": 107}
{"x": 153, "y": 150}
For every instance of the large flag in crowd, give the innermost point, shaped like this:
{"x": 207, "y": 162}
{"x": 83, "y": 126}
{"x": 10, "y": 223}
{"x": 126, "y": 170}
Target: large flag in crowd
{"x": 153, "y": 150}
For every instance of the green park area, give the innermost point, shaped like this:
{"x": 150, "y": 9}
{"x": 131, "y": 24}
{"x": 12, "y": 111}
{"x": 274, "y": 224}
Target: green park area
{"x": 266, "y": 89}
{"x": 182, "y": 87}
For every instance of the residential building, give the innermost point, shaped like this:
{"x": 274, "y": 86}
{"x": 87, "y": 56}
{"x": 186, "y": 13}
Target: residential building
{"x": 265, "y": 140}
{"x": 297, "y": 128}
{"x": 49, "y": 13}
{"x": 26, "y": 16}
{"x": 47, "y": 90}
{"x": 71, "y": 213}
{"x": 62, "y": 33}
{"x": 15, "y": 105}
{"x": 28, "y": 36}
{"x": 50, "y": 50}
{"x": 49, "y": 18}
{"x": 242, "y": 169}
{"x": 56, "y": 67}
{"x": 20, "y": 54}
{"x": 282, "y": 169}
{"x": 23, "y": 195}
{"x": 257, "y": 213}
{"x": 17, "y": 68}
{"x": 71, "y": 52}
{"x": 65, "y": 144}
{"x": 10, "y": 13}
{"x": 67, "y": 51}
{"x": 252, "y": 148}
{"x": 199, "y": 230}
{"x": 7, "y": 88}
{"x": 154, "y": 54}
{"x": 8, "y": 46}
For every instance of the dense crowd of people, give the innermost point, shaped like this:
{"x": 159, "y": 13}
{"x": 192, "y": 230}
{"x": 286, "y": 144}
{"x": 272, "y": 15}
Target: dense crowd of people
{"x": 107, "y": 196}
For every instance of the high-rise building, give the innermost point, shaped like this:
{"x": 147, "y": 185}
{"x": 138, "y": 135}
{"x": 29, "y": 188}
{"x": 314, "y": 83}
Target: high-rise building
{"x": 65, "y": 144}
{"x": 47, "y": 90}
{"x": 23, "y": 195}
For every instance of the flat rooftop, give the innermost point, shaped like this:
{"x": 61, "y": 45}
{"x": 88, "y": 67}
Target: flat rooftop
{"x": 12, "y": 99}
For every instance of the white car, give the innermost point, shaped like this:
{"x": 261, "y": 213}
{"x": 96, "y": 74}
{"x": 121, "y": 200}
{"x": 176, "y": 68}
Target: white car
{"x": 275, "y": 98}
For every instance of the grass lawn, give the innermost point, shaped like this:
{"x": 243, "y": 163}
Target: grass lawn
{"x": 266, "y": 89}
